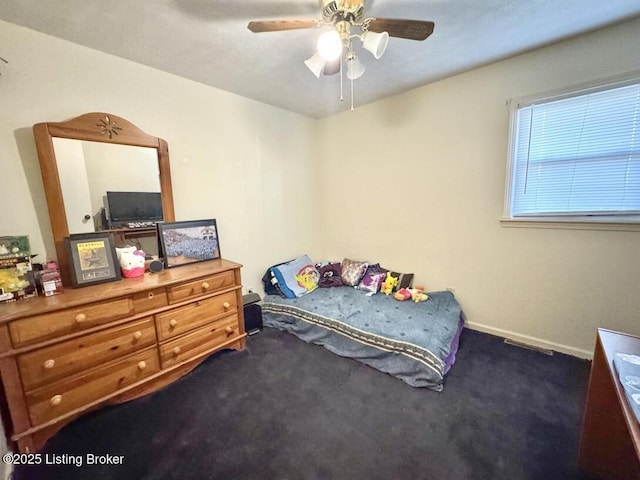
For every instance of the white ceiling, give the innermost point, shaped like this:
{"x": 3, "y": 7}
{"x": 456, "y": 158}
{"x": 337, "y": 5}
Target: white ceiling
{"x": 208, "y": 40}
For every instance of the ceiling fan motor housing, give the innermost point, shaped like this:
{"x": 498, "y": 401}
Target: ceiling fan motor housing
{"x": 334, "y": 11}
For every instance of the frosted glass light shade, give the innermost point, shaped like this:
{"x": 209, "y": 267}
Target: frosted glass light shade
{"x": 330, "y": 45}
{"x": 355, "y": 69}
{"x": 316, "y": 64}
{"x": 375, "y": 42}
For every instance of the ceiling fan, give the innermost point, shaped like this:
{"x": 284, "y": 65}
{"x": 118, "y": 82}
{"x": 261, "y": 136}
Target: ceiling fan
{"x": 346, "y": 22}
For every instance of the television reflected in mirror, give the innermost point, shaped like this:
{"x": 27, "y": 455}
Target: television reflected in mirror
{"x": 134, "y": 209}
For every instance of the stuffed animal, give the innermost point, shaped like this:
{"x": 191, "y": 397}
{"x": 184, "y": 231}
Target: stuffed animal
{"x": 389, "y": 284}
{"x": 131, "y": 261}
{"x": 402, "y": 294}
{"x": 418, "y": 295}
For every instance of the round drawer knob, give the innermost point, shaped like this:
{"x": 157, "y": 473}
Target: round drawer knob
{"x": 176, "y": 350}
{"x": 173, "y": 322}
{"x": 226, "y": 305}
{"x": 142, "y": 365}
{"x": 205, "y": 285}
{"x": 228, "y": 329}
{"x": 49, "y": 364}
{"x": 150, "y": 296}
{"x": 137, "y": 335}
{"x": 81, "y": 317}
{"x": 55, "y": 400}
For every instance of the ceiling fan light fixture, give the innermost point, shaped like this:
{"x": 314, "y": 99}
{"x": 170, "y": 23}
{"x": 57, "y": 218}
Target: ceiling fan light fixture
{"x": 355, "y": 68}
{"x": 375, "y": 42}
{"x": 316, "y": 64}
{"x": 335, "y": 52}
{"x": 330, "y": 45}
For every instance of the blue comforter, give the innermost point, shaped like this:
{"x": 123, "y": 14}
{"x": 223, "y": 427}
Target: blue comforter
{"x": 415, "y": 342}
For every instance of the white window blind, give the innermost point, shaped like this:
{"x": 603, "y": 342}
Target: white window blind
{"x": 578, "y": 155}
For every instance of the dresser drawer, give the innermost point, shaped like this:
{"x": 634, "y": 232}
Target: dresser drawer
{"x": 65, "y": 358}
{"x": 182, "y": 319}
{"x": 199, "y": 341}
{"x": 201, "y": 286}
{"x": 51, "y": 325}
{"x": 57, "y": 399}
{"x": 145, "y": 301}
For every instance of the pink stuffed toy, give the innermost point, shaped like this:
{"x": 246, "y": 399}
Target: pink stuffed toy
{"x": 131, "y": 261}
{"x": 402, "y": 294}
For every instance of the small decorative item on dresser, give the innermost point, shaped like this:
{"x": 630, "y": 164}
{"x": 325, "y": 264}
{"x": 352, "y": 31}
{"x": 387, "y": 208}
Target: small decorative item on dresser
{"x": 16, "y": 276}
{"x": 182, "y": 243}
{"x": 49, "y": 280}
{"x": 93, "y": 259}
{"x": 156, "y": 266}
{"x": 131, "y": 261}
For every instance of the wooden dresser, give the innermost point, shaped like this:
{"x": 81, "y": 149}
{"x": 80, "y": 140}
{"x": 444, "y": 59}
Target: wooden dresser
{"x": 610, "y": 440}
{"x": 67, "y": 354}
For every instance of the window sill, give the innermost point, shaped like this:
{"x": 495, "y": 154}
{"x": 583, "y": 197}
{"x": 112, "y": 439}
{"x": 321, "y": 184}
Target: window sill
{"x": 631, "y": 226}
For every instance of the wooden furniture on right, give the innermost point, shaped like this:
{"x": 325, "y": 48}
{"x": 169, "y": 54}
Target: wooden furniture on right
{"x": 610, "y": 442}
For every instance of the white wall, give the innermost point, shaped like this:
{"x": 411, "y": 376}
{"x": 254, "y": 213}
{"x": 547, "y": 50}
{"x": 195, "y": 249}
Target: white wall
{"x": 421, "y": 189}
{"x": 247, "y": 164}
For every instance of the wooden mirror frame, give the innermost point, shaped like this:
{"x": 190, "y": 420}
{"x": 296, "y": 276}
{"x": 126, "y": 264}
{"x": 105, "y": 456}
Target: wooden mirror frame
{"x": 94, "y": 127}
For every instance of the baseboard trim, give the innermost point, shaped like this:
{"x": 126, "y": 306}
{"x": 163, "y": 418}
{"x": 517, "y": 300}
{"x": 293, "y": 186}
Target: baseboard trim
{"x": 533, "y": 341}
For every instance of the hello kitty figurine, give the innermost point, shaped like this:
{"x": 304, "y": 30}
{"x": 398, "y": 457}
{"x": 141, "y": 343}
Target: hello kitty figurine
{"x": 131, "y": 261}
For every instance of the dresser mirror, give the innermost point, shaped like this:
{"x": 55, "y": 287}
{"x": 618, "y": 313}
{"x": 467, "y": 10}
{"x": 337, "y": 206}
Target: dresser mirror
{"x": 88, "y": 170}
{"x": 84, "y": 158}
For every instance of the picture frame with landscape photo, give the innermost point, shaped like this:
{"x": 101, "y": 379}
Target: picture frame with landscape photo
{"x": 187, "y": 242}
{"x": 93, "y": 259}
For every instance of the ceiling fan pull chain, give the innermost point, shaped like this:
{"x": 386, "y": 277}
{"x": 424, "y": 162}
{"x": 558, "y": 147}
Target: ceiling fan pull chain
{"x": 352, "y": 109}
{"x": 341, "y": 95}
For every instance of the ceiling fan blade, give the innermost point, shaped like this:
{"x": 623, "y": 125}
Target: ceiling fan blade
{"x": 397, "y": 27}
{"x": 260, "y": 26}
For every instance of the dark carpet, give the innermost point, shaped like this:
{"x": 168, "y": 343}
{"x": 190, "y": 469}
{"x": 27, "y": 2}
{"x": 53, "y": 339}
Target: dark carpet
{"x": 284, "y": 409}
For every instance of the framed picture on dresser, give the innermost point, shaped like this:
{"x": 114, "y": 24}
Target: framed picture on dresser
{"x": 183, "y": 243}
{"x": 93, "y": 259}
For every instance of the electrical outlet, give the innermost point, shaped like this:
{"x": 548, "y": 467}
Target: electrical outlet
{"x": 450, "y": 289}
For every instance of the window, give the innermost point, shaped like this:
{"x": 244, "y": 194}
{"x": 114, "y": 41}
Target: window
{"x": 576, "y": 157}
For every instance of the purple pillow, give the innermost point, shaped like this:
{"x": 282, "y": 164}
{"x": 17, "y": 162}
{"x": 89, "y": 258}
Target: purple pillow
{"x": 330, "y": 275}
{"x": 371, "y": 282}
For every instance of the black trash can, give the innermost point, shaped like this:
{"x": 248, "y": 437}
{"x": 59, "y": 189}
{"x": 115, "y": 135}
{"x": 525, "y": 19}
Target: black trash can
{"x": 252, "y": 313}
